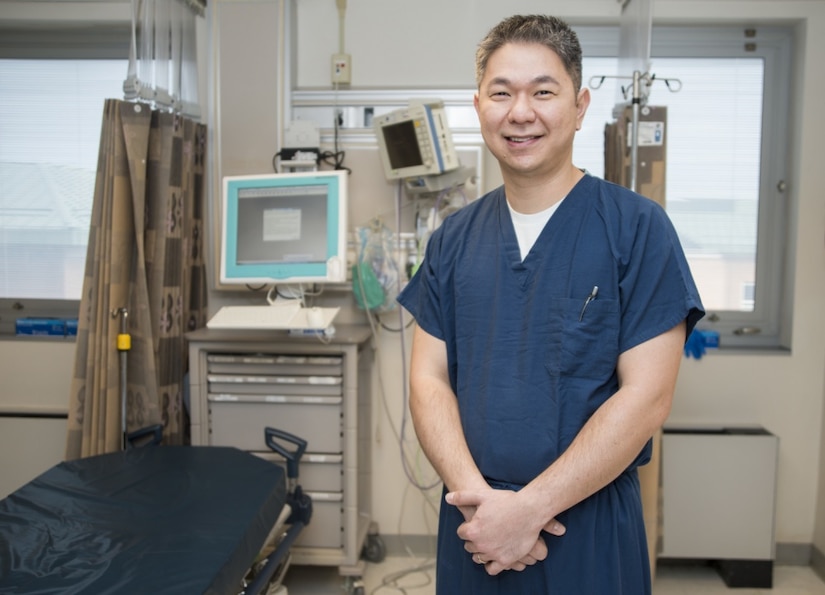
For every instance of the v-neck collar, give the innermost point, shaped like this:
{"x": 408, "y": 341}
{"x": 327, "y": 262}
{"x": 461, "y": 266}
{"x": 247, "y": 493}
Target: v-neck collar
{"x": 524, "y": 268}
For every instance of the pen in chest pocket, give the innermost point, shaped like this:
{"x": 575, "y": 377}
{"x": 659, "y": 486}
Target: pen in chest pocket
{"x": 593, "y": 293}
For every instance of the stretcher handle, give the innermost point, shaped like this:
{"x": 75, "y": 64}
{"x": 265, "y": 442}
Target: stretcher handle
{"x": 292, "y": 457}
{"x": 157, "y": 436}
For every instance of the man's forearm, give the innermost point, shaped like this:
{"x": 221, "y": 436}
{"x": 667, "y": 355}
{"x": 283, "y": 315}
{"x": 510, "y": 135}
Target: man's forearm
{"x": 438, "y": 427}
{"x": 435, "y": 415}
{"x": 604, "y": 448}
{"x": 505, "y": 524}
{"x": 616, "y": 433}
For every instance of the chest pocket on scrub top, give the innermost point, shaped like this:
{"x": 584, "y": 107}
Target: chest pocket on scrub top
{"x": 585, "y": 341}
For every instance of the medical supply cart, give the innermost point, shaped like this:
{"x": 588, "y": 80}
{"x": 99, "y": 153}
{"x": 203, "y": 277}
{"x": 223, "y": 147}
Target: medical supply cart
{"x": 316, "y": 388}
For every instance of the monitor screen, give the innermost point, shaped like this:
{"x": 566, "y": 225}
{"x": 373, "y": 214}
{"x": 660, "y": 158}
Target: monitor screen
{"x": 402, "y": 145}
{"x": 284, "y": 228}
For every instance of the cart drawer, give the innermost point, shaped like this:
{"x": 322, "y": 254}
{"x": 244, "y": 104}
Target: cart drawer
{"x": 239, "y": 421}
{"x": 280, "y": 385}
{"x": 326, "y": 527}
{"x": 316, "y": 472}
{"x": 275, "y": 365}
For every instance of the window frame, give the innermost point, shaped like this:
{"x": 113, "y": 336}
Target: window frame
{"x": 767, "y": 325}
{"x": 52, "y": 41}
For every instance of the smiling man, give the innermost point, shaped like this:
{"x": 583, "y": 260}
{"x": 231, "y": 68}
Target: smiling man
{"x": 551, "y": 317}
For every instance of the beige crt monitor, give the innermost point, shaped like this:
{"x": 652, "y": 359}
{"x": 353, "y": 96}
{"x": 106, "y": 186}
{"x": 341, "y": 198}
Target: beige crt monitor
{"x": 415, "y": 141}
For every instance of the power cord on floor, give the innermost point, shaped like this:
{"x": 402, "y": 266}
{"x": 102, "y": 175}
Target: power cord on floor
{"x": 422, "y": 567}
{"x": 391, "y": 581}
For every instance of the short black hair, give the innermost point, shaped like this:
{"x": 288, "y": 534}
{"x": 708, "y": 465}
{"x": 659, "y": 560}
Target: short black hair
{"x": 551, "y": 32}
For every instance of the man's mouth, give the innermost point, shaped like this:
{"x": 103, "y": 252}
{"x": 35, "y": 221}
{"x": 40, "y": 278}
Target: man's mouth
{"x": 520, "y": 139}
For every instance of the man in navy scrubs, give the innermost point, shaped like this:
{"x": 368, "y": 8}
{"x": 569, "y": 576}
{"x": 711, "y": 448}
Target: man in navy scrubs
{"x": 551, "y": 317}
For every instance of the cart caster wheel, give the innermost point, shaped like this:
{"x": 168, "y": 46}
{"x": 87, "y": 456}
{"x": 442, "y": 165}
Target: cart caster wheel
{"x": 374, "y": 549}
{"x": 354, "y": 586}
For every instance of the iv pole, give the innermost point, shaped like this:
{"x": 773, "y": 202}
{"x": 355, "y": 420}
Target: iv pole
{"x": 638, "y": 99}
{"x": 636, "y": 102}
{"x": 636, "y": 23}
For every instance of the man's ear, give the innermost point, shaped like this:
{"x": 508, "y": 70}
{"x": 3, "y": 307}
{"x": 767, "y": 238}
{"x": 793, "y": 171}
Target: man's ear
{"x": 582, "y": 103}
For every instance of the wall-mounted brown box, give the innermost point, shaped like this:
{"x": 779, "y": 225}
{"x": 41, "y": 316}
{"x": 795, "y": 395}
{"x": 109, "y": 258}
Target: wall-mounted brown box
{"x": 652, "y": 151}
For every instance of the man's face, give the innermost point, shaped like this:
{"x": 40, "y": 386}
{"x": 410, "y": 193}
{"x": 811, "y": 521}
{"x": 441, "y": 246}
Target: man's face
{"x": 528, "y": 110}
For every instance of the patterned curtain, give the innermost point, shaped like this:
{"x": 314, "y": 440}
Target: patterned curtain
{"x": 145, "y": 270}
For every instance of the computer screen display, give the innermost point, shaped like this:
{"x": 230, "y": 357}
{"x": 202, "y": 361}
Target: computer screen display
{"x": 402, "y": 145}
{"x": 284, "y": 228}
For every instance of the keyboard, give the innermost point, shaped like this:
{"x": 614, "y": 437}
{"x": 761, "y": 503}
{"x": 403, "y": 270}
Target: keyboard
{"x": 278, "y": 316}
{"x": 287, "y": 316}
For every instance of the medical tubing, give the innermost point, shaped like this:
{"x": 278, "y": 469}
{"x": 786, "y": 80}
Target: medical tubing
{"x": 408, "y": 470}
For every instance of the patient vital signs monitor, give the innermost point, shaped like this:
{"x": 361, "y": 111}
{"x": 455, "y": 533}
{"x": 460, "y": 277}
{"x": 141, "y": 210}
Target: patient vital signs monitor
{"x": 415, "y": 141}
{"x": 284, "y": 228}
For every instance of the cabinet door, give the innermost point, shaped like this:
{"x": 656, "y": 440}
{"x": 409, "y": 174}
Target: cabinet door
{"x": 28, "y": 447}
{"x": 718, "y": 496}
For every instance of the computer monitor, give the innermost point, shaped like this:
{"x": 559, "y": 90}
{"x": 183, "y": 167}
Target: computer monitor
{"x": 286, "y": 228}
{"x": 415, "y": 141}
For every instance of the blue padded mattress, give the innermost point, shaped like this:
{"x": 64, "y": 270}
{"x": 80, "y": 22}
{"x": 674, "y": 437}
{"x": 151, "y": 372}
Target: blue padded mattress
{"x": 163, "y": 519}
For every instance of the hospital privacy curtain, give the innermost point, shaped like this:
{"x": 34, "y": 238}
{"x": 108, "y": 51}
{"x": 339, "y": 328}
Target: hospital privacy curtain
{"x": 145, "y": 256}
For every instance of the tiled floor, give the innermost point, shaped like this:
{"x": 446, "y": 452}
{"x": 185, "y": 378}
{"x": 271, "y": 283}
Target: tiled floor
{"x": 409, "y": 576}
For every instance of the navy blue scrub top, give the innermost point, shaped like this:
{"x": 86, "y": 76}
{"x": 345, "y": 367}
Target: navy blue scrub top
{"x": 530, "y": 356}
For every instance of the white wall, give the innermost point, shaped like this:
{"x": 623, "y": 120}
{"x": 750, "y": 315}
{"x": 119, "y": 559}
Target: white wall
{"x": 432, "y": 44}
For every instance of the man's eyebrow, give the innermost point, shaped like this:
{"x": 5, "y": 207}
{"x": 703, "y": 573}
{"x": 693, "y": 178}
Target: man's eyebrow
{"x": 500, "y": 80}
{"x": 539, "y": 80}
{"x": 546, "y": 79}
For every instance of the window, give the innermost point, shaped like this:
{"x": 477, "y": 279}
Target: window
{"x": 747, "y": 297}
{"x": 726, "y": 149}
{"x": 50, "y": 123}
{"x": 53, "y": 85}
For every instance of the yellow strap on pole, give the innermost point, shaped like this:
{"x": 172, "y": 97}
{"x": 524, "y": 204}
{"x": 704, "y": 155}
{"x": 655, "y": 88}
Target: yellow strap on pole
{"x": 124, "y": 342}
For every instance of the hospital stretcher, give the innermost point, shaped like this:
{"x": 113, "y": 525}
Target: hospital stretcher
{"x": 155, "y": 519}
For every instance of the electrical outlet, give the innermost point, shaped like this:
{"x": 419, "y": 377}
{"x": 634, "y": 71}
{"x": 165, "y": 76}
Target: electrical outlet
{"x": 341, "y": 69}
